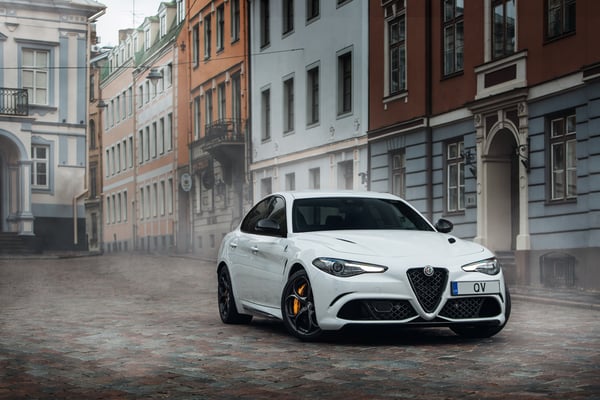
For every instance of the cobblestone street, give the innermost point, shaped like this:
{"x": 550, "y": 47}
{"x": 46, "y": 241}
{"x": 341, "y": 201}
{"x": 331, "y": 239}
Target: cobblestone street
{"x": 136, "y": 326}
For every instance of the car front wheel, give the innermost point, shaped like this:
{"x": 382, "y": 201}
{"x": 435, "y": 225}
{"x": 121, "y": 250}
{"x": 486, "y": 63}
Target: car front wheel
{"x": 298, "y": 308}
{"x": 227, "y": 309}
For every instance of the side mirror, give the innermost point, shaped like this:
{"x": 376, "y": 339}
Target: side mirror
{"x": 268, "y": 225}
{"x": 444, "y": 226}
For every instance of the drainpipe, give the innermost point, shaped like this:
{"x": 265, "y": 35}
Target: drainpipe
{"x": 428, "y": 111}
{"x": 249, "y": 103}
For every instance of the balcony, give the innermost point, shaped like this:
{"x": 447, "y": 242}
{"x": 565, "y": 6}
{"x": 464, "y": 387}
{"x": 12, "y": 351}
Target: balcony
{"x": 224, "y": 140}
{"x": 14, "y": 102}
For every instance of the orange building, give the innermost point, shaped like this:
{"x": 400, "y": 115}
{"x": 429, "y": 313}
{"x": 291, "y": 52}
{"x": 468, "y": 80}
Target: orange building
{"x": 217, "y": 68}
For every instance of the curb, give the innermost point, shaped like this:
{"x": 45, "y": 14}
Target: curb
{"x": 555, "y": 302}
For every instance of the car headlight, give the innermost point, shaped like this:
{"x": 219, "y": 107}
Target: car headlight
{"x": 489, "y": 266}
{"x": 344, "y": 268}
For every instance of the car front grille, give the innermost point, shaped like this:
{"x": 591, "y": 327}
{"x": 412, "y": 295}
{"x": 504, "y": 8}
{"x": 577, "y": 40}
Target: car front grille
{"x": 428, "y": 289}
{"x": 471, "y": 307}
{"x": 377, "y": 310}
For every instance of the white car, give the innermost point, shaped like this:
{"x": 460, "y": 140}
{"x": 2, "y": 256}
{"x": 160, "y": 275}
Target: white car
{"x": 321, "y": 261}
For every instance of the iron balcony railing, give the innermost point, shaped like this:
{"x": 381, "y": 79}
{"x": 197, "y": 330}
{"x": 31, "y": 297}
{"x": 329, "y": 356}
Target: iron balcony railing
{"x": 223, "y": 131}
{"x": 14, "y": 101}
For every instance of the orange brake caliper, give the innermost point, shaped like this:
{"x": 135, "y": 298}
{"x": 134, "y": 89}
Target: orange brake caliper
{"x": 301, "y": 290}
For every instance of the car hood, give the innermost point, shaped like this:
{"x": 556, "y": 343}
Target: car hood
{"x": 393, "y": 243}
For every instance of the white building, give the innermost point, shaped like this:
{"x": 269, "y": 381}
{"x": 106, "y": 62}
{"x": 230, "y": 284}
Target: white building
{"x": 44, "y": 52}
{"x": 309, "y": 77}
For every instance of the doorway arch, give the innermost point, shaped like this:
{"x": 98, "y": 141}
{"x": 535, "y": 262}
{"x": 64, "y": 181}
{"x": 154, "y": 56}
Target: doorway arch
{"x": 501, "y": 173}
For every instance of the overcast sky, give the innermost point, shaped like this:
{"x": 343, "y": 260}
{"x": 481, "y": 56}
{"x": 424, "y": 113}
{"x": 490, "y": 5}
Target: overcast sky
{"x": 120, "y": 15}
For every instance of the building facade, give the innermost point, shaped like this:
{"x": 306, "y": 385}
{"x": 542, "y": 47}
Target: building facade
{"x": 139, "y": 139}
{"x": 217, "y": 72}
{"x": 486, "y": 114}
{"x": 44, "y": 50}
{"x": 309, "y": 95}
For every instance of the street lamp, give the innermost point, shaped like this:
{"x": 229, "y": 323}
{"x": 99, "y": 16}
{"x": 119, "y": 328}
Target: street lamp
{"x": 154, "y": 76}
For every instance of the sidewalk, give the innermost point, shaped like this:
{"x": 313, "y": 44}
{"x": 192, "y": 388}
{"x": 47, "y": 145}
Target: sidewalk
{"x": 551, "y": 296}
{"x": 555, "y": 296}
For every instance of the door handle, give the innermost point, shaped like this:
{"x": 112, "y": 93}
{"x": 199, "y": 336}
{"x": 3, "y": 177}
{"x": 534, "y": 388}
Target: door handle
{"x": 233, "y": 245}
{"x": 254, "y": 249}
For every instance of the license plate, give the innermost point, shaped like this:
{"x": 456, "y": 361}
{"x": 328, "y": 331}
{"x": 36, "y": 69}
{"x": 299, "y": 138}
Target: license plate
{"x": 479, "y": 287}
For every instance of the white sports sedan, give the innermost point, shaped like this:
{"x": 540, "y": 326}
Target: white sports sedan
{"x": 321, "y": 261}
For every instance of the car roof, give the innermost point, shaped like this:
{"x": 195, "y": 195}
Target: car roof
{"x": 311, "y": 194}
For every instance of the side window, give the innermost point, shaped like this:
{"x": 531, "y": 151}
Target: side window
{"x": 273, "y": 208}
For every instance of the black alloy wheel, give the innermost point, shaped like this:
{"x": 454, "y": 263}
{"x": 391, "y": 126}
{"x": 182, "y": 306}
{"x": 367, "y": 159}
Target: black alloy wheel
{"x": 227, "y": 309}
{"x": 298, "y": 308}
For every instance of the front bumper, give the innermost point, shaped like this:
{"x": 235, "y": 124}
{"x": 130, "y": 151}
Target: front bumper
{"x": 394, "y": 298}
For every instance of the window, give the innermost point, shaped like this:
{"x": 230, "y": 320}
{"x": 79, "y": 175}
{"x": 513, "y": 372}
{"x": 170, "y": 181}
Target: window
{"x": 266, "y": 114}
{"x": 503, "y": 28}
{"x": 147, "y": 209}
{"x": 130, "y": 101}
{"x": 124, "y": 212}
{"x": 107, "y": 209}
{"x": 155, "y": 199}
{"x": 168, "y": 73}
{"x": 162, "y": 198}
{"x": 288, "y": 16}
{"x": 272, "y": 208}
{"x": 130, "y": 151}
{"x": 196, "y": 117}
{"x": 290, "y": 181}
{"x": 288, "y": 105}
{"x": 154, "y": 140}
{"x": 264, "y": 23}
{"x": 140, "y": 146}
{"x": 220, "y": 27}
{"x": 453, "y": 27}
{"x": 236, "y": 96}
{"x": 147, "y": 143}
{"x": 312, "y": 95}
{"x": 169, "y": 132}
{"x": 163, "y": 25}
{"x": 142, "y": 203}
{"x": 208, "y": 104}
{"x": 92, "y": 87}
{"x": 141, "y": 95}
{"x": 147, "y": 39}
{"x": 312, "y": 9}
{"x": 455, "y": 179}
{"x": 35, "y": 75}
{"x": 106, "y": 163}
{"x": 563, "y": 157}
{"x": 397, "y": 54}
{"x": 314, "y": 176}
{"x": 117, "y": 109}
{"x": 221, "y": 99}
{"x": 170, "y": 196}
{"x": 40, "y": 156}
{"x": 124, "y": 105}
{"x": 235, "y": 20}
{"x": 398, "y": 163}
{"x": 92, "y": 125}
{"x": 118, "y": 158}
{"x": 196, "y": 45}
{"x": 560, "y": 18}
{"x": 345, "y": 83}
{"x": 180, "y": 11}
{"x": 93, "y": 181}
{"x": 207, "y": 37}
{"x": 124, "y": 155}
{"x": 161, "y": 136}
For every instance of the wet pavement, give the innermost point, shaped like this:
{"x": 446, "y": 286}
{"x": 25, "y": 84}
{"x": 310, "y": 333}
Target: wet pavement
{"x": 144, "y": 327}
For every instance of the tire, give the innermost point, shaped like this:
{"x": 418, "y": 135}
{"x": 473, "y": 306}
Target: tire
{"x": 298, "y": 308}
{"x": 227, "y": 308}
{"x": 483, "y": 331}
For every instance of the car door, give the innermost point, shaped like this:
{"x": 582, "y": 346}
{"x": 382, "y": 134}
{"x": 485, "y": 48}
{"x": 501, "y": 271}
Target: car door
{"x": 258, "y": 254}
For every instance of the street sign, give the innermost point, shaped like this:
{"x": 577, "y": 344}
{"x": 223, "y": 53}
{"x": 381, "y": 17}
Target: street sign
{"x": 186, "y": 182}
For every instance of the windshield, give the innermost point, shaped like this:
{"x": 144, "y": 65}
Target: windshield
{"x": 334, "y": 213}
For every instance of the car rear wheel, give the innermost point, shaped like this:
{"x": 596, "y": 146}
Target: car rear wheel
{"x": 298, "y": 308}
{"x": 483, "y": 331}
{"x": 227, "y": 309}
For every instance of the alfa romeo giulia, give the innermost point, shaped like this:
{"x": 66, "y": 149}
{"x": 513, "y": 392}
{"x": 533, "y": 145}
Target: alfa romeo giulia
{"x": 321, "y": 261}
